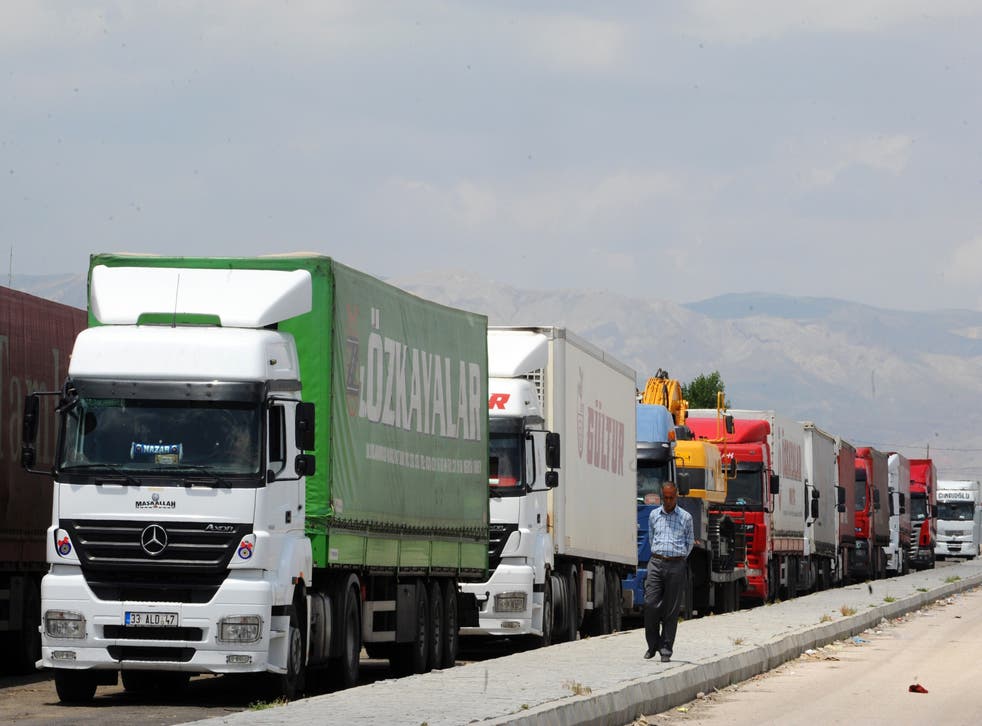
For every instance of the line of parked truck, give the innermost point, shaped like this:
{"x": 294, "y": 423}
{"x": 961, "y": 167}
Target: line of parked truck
{"x": 266, "y": 465}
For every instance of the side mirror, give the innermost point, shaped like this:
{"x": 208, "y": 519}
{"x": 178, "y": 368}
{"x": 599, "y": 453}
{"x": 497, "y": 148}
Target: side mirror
{"x": 304, "y": 465}
{"x": 876, "y": 499}
{"x": 31, "y": 408}
{"x": 305, "y": 427}
{"x": 814, "y": 508}
{"x": 28, "y": 458}
{"x": 552, "y": 480}
{"x": 728, "y": 422}
{"x": 682, "y": 483}
{"x": 552, "y": 452}
{"x": 903, "y": 503}
{"x": 775, "y": 484}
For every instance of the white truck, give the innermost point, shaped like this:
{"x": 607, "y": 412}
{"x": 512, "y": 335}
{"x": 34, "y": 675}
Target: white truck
{"x": 191, "y": 530}
{"x": 822, "y": 506}
{"x": 560, "y": 545}
{"x": 898, "y": 551}
{"x": 959, "y": 519}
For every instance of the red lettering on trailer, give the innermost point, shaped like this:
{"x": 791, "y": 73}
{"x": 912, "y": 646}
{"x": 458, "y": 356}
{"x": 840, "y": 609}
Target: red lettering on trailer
{"x": 498, "y": 400}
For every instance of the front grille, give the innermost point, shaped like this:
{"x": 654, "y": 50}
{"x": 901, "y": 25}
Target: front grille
{"x": 727, "y": 544}
{"x": 123, "y": 632}
{"x": 150, "y": 653}
{"x": 499, "y": 534}
{"x": 190, "y": 567}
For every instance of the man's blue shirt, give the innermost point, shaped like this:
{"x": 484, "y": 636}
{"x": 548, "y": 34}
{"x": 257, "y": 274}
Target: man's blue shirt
{"x": 670, "y": 533}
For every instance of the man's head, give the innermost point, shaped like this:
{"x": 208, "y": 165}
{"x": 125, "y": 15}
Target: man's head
{"x": 669, "y": 496}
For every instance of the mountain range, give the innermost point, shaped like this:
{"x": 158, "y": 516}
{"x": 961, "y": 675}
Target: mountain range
{"x": 901, "y": 381}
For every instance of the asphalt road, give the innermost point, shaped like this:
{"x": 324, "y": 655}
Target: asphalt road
{"x": 863, "y": 679}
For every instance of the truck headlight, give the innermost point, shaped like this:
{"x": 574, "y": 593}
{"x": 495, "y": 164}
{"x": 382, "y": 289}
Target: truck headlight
{"x": 240, "y": 629}
{"x": 64, "y": 624}
{"x": 509, "y": 602}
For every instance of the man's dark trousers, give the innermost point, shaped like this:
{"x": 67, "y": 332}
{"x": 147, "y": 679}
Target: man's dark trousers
{"x": 663, "y": 588}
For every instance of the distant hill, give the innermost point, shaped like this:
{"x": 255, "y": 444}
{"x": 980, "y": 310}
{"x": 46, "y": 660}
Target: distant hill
{"x": 893, "y": 379}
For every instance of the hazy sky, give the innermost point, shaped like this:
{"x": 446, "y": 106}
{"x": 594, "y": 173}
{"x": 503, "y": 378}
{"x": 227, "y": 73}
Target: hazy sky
{"x": 669, "y": 150}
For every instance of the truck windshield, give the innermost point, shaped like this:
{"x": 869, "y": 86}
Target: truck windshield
{"x": 505, "y": 463}
{"x": 651, "y": 475}
{"x": 918, "y": 508}
{"x": 956, "y": 511}
{"x": 695, "y": 478}
{"x": 860, "y": 489}
{"x": 155, "y": 436}
{"x": 747, "y": 488}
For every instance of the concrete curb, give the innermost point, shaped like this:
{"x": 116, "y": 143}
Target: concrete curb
{"x": 623, "y": 704}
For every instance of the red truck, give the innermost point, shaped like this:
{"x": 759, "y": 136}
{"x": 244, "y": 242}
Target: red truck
{"x": 923, "y": 513}
{"x": 872, "y": 515}
{"x": 36, "y": 337}
{"x": 766, "y": 498}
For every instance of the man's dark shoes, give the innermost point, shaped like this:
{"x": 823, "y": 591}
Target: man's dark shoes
{"x": 665, "y": 657}
{"x": 648, "y": 654}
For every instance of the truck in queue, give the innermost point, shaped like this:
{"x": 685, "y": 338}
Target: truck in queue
{"x": 923, "y": 513}
{"x": 872, "y": 515}
{"x": 823, "y": 499}
{"x": 898, "y": 551}
{"x": 766, "y": 498}
{"x": 845, "y": 463}
{"x": 263, "y": 465}
{"x": 562, "y": 488}
{"x": 717, "y": 574}
{"x": 36, "y": 338}
{"x": 959, "y": 518}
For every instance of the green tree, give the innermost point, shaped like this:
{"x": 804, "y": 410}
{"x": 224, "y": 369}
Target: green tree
{"x": 701, "y": 392}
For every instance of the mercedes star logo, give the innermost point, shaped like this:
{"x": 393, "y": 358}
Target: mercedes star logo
{"x": 153, "y": 540}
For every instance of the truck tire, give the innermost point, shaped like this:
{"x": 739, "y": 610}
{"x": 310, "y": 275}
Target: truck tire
{"x": 410, "y": 658}
{"x": 613, "y": 597}
{"x": 548, "y": 611}
{"x": 344, "y": 668}
{"x": 437, "y": 624}
{"x": 451, "y": 629}
{"x": 74, "y": 686}
{"x": 290, "y": 685}
{"x": 572, "y": 607}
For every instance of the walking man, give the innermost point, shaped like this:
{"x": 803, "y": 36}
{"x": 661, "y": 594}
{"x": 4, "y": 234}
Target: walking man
{"x": 671, "y": 537}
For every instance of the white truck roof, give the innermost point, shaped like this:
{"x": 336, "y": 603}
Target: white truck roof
{"x": 239, "y": 298}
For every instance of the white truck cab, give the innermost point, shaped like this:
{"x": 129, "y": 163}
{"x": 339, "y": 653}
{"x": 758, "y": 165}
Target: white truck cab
{"x": 959, "y": 519}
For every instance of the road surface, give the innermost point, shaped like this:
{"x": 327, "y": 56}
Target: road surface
{"x": 863, "y": 680}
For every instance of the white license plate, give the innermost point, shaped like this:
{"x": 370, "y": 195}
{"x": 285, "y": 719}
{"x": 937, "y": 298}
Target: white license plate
{"x": 140, "y": 619}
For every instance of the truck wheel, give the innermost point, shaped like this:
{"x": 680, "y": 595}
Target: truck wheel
{"x": 434, "y": 655}
{"x": 74, "y": 686}
{"x": 451, "y": 630}
{"x": 572, "y": 607}
{"x": 409, "y": 658}
{"x": 345, "y": 667}
{"x": 290, "y": 685}
{"x": 548, "y": 612}
{"x": 615, "y": 600}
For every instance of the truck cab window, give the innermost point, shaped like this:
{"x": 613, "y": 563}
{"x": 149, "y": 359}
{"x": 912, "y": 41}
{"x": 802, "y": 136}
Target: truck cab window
{"x": 277, "y": 439}
{"x": 504, "y": 461}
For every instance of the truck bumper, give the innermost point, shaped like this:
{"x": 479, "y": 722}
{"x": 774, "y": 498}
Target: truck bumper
{"x": 498, "y": 602}
{"x": 191, "y": 645}
{"x": 955, "y": 549}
